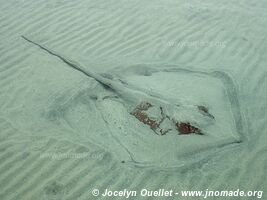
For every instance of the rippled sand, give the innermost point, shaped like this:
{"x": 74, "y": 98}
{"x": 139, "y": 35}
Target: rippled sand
{"x": 63, "y": 133}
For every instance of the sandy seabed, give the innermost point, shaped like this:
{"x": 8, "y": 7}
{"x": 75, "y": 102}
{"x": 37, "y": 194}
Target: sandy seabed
{"x": 63, "y": 133}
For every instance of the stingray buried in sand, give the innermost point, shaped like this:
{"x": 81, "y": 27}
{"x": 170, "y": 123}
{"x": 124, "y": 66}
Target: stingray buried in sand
{"x": 159, "y": 114}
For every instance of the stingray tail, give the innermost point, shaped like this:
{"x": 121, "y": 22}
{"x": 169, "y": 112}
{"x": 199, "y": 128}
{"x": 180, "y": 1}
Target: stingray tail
{"x": 75, "y": 65}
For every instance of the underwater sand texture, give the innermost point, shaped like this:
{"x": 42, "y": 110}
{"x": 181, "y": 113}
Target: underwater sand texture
{"x": 175, "y": 107}
{"x": 47, "y": 107}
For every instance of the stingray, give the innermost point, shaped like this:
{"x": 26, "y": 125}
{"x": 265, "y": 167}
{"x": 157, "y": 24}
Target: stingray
{"x": 153, "y": 110}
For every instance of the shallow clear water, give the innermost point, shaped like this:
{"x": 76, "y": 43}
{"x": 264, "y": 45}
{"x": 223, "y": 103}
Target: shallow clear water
{"x": 64, "y": 134}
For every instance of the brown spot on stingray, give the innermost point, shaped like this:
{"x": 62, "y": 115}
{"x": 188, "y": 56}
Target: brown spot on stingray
{"x": 182, "y": 127}
{"x": 186, "y": 128}
{"x": 142, "y": 116}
